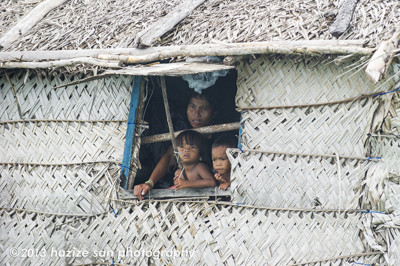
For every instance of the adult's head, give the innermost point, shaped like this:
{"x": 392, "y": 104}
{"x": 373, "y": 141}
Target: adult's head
{"x": 200, "y": 110}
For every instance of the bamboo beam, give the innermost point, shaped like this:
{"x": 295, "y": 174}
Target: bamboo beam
{"x": 381, "y": 59}
{"x": 240, "y": 49}
{"x": 71, "y": 54}
{"x": 169, "y": 69}
{"x": 62, "y": 63}
{"x": 62, "y": 54}
{"x": 343, "y": 18}
{"x": 202, "y": 130}
{"x": 28, "y": 21}
{"x": 150, "y": 34}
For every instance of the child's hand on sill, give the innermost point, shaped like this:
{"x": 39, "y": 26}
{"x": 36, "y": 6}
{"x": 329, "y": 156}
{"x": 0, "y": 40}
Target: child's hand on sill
{"x": 224, "y": 185}
{"x": 180, "y": 182}
{"x": 219, "y": 177}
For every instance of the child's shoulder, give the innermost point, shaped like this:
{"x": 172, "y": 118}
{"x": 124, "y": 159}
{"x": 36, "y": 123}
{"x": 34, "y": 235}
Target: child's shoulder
{"x": 201, "y": 165}
{"x": 203, "y": 170}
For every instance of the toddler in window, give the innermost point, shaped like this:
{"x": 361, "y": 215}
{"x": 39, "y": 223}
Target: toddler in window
{"x": 192, "y": 149}
{"x": 221, "y": 164}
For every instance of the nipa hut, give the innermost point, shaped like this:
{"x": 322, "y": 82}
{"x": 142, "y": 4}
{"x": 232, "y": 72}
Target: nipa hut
{"x": 315, "y": 177}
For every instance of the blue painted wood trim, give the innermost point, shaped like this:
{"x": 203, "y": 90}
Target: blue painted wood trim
{"x": 126, "y": 161}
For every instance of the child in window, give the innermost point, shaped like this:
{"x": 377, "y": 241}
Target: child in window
{"x": 192, "y": 148}
{"x": 221, "y": 164}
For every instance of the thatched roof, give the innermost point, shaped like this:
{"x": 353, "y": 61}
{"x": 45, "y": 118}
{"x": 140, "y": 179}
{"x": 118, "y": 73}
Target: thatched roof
{"x": 78, "y": 24}
{"x": 250, "y": 21}
{"x": 110, "y": 33}
{"x": 13, "y": 10}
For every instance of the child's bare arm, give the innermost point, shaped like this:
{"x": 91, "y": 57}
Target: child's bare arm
{"x": 206, "y": 179}
{"x": 178, "y": 173}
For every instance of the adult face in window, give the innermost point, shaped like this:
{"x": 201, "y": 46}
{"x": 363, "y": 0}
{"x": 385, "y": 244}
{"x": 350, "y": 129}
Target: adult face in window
{"x": 199, "y": 111}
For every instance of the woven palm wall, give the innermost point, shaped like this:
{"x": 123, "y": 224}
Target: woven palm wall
{"x": 61, "y": 146}
{"x": 392, "y": 121}
{"x": 59, "y": 199}
{"x": 296, "y": 181}
{"x": 213, "y": 233}
{"x": 306, "y": 106}
{"x": 306, "y": 141}
{"x": 388, "y": 147}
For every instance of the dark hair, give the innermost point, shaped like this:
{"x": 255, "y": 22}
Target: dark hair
{"x": 229, "y": 141}
{"x": 206, "y": 96}
{"x": 191, "y": 137}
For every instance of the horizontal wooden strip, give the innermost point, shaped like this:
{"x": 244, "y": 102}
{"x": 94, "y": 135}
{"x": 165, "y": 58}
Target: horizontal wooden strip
{"x": 203, "y": 130}
{"x": 59, "y": 120}
{"x": 171, "y": 69}
{"x": 305, "y": 154}
{"x": 70, "y": 54}
{"x": 173, "y": 193}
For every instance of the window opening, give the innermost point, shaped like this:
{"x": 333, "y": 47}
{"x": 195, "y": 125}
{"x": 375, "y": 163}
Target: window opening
{"x": 156, "y": 140}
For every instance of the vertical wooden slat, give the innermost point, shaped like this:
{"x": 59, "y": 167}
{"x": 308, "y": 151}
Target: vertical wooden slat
{"x": 170, "y": 125}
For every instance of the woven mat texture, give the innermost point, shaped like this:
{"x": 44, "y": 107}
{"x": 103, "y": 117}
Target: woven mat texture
{"x": 83, "y": 184}
{"x": 62, "y": 142}
{"x": 279, "y": 81}
{"x": 384, "y": 188}
{"x": 394, "y": 125}
{"x": 75, "y": 189}
{"x": 388, "y": 187}
{"x": 387, "y": 147}
{"x": 65, "y": 157}
{"x": 393, "y": 254}
{"x": 341, "y": 128}
{"x": 103, "y": 99}
{"x": 392, "y": 197}
{"x": 216, "y": 234}
{"x": 304, "y": 182}
{"x": 382, "y": 233}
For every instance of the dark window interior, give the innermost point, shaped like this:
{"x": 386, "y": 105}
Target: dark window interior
{"x": 222, "y": 93}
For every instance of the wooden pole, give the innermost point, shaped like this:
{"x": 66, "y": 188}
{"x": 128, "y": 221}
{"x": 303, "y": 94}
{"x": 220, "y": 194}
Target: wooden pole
{"x": 27, "y": 56}
{"x": 170, "y": 125}
{"x": 343, "y": 18}
{"x": 239, "y": 50}
{"x": 28, "y": 21}
{"x": 382, "y": 58}
{"x": 151, "y": 33}
{"x": 63, "y": 63}
{"x": 202, "y": 130}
